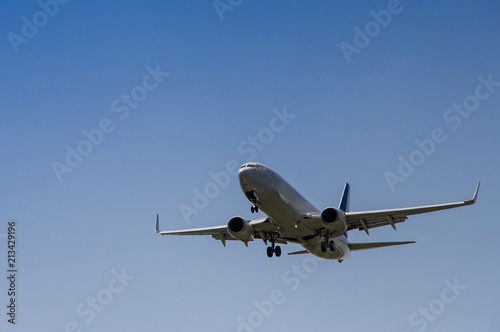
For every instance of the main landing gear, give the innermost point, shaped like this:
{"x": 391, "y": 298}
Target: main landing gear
{"x": 273, "y": 249}
{"x": 276, "y": 250}
{"x": 326, "y": 244}
{"x": 254, "y": 209}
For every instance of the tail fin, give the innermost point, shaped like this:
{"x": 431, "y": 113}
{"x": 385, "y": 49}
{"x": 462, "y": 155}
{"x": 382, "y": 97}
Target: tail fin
{"x": 344, "y": 200}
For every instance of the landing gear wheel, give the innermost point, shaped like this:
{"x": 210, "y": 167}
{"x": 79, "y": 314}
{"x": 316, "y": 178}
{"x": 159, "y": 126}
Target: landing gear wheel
{"x": 277, "y": 251}
{"x": 331, "y": 245}
{"x": 323, "y": 246}
{"x": 270, "y": 252}
{"x": 273, "y": 249}
{"x": 252, "y": 209}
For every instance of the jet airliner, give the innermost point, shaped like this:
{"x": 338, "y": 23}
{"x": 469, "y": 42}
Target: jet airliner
{"x": 290, "y": 218}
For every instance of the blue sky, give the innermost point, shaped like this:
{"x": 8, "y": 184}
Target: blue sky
{"x": 199, "y": 84}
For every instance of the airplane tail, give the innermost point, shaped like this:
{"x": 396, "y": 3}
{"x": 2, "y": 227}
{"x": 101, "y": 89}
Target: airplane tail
{"x": 344, "y": 199}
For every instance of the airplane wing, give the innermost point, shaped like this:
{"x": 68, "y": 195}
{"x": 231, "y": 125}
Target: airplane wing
{"x": 364, "y": 220}
{"x": 262, "y": 228}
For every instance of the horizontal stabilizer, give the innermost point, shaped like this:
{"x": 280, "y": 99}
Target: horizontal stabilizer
{"x": 373, "y": 245}
{"x": 298, "y": 252}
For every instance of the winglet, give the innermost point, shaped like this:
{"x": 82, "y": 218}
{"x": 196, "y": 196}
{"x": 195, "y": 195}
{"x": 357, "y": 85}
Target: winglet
{"x": 157, "y": 224}
{"x": 474, "y": 198}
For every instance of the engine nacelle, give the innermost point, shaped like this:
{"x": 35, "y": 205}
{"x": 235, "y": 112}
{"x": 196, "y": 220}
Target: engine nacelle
{"x": 334, "y": 220}
{"x": 240, "y": 229}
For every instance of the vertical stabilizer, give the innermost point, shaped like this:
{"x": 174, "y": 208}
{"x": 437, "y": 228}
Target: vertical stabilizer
{"x": 344, "y": 199}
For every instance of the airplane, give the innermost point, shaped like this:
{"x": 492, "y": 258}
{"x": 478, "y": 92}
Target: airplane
{"x": 290, "y": 218}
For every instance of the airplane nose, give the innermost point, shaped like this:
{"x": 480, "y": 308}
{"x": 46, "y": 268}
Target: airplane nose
{"x": 248, "y": 175}
{"x": 245, "y": 176}
{"x": 253, "y": 176}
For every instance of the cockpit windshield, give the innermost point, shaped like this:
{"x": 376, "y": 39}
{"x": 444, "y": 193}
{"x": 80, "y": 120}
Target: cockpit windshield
{"x": 260, "y": 167}
{"x": 247, "y": 165}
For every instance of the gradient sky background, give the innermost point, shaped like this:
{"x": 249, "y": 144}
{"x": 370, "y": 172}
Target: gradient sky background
{"x": 353, "y": 121}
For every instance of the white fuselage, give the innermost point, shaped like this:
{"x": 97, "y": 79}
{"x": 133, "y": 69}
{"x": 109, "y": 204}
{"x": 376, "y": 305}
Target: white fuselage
{"x": 288, "y": 210}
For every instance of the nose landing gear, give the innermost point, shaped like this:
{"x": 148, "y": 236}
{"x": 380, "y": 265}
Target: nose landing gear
{"x": 252, "y": 197}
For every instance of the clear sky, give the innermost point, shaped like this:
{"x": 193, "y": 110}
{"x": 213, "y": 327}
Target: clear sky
{"x": 112, "y": 112}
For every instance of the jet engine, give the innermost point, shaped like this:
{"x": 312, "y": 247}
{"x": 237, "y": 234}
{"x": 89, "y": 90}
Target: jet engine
{"x": 240, "y": 229}
{"x": 334, "y": 220}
